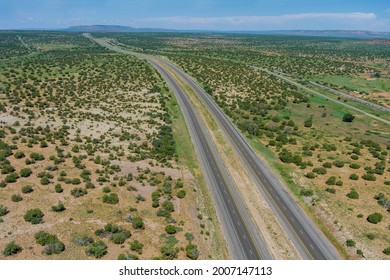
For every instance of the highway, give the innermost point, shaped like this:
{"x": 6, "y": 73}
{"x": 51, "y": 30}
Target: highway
{"x": 243, "y": 237}
{"x": 310, "y": 242}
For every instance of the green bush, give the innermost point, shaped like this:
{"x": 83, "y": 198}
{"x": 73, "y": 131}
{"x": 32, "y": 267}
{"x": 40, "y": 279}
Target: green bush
{"x": 136, "y": 246}
{"x": 37, "y": 156}
{"x": 348, "y": 117}
{"x": 35, "y": 216}
{"x": 331, "y": 181}
{"x": 353, "y": 194}
{"x": 319, "y": 170}
{"x": 50, "y": 242}
{"x": 19, "y": 154}
{"x": 350, "y": 243}
{"x": 338, "y": 163}
{"x": 58, "y": 208}
{"x": 16, "y": 198}
{"x": 192, "y": 251}
{"x": 77, "y": 192}
{"x": 7, "y": 169}
{"x": 25, "y": 172}
{"x": 11, "y": 178}
{"x": 11, "y": 249}
{"x": 97, "y": 249}
{"x": 111, "y": 198}
{"x": 3, "y": 210}
{"x": 375, "y": 218}
{"x": 354, "y": 166}
{"x": 330, "y": 190}
{"x": 181, "y": 194}
{"x": 58, "y": 188}
{"x": 27, "y": 189}
{"x": 45, "y": 181}
{"x": 354, "y": 177}
{"x": 311, "y": 175}
{"x": 138, "y": 223}
{"x": 386, "y": 251}
{"x": 369, "y": 177}
{"x": 306, "y": 192}
{"x": 170, "y": 229}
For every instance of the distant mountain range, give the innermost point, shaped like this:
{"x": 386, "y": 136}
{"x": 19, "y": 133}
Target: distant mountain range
{"x": 114, "y": 28}
{"x": 324, "y": 33}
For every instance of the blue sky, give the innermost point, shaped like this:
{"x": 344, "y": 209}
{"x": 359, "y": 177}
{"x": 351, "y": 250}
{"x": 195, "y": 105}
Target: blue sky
{"x": 200, "y": 14}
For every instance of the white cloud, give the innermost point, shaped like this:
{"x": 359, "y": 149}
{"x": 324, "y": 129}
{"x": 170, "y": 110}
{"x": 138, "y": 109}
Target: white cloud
{"x": 328, "y": 20}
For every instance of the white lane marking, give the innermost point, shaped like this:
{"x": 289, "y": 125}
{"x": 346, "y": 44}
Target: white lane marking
{"x": 244, "y": 236}
{"x": 250, "y": 251}
{"x": 301, "y": 231}
{"x": 311, "y": 246}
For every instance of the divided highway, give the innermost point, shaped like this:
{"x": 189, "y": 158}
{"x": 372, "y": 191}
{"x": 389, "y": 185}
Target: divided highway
{"x": 244, "y": 238}
{"x": 310, "y": 242}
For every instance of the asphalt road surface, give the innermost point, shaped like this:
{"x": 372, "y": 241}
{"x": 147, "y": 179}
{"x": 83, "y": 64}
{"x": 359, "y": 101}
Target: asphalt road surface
{"x": 310, "y": 242}
{"x": 245, "y": 241}
{"x": 243, "y": 237}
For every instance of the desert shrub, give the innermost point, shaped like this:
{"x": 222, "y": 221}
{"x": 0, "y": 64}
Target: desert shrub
{"x": 58, "y": 208}
{"x": 330, "y": 190}
{"x": 58, "y": 188}
{"x": 44, "y": 181}
{"x": 331, "y": 181}
{"x": 327, "y": 164}
{"x": 138, "y": 223}
{"x": 170, "y": 229}
{"x": 3, "y": 210}
{"x": 353, "y": 194}
{"x": 386, "y": 251}
{"x": 11, "y": 249}
{"x": 181, "y": 194}
{"x": 306, "y": 192}
{"x": 338, "y": 163}
{"x": 7, "y": 169}
{"x": 77, "y": 192}
{"x": 123, "y": 257}
{"x": 106, "y": 189}
{"x": 111, "y": 198}
{"x": 311, "y": 175}
{"x": 354, "y": 177}
{"x": 35, "y": 216}
{"x": 120, "y": 236}
{"x": 339, "y": 183}
{"x": 319, "y": 170}
{"x": 348, "y": 117}
{"x": 50, "y": 242}
{"x": 97, "y": 249}
{"x": 354, "y": 166}
{"x": 192, "y": 251}
{"x": 16, "y": 198}
{"x": 83, "y": 240}
{"x": 25, "y": 172}
{"x": 27, "y": 189}
{"x": 375, "y": 218}
{"x": 369, "y": 177}
{"x": 169, "y": 252}
{"x": 136, "y": 246}
{"x": 371, "y": 236}
{"x": 168, "y": 206}
{"x": 37, "y": 156}
{"x": 189, "y": 236}
{"x": 19, "y": 154}
{"x": 350, "y": 243}
{"x": 11, "y": 178}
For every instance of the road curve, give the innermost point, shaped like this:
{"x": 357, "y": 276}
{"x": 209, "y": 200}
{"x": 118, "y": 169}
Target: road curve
{"x": 305, "y": 235}
{"x": 244, "y": 239}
